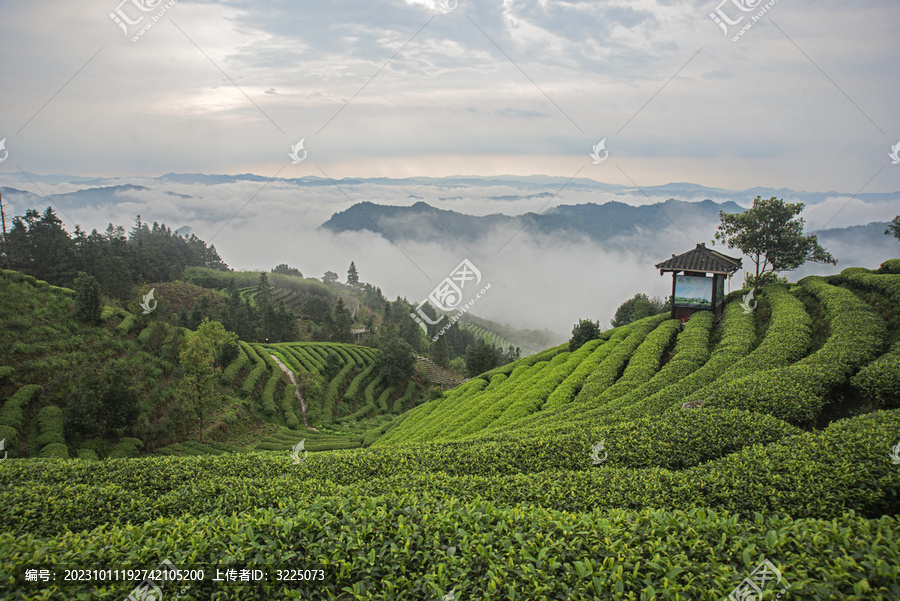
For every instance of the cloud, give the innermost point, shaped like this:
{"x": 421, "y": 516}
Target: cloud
{"x": 397, "y": 87}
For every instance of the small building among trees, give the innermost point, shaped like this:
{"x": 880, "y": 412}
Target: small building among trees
{"x": 698, "y": 280}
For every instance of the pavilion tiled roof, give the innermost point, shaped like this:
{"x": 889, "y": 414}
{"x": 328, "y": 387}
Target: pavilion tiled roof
{"x": 701, "y": 259}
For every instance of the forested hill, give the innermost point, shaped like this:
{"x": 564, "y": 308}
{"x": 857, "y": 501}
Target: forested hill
{"x": 39, "y": 245}
{"x": 598, "y": 222}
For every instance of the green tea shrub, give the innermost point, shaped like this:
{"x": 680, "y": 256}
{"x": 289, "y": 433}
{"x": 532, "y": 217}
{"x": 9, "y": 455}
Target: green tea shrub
{"x": 128, "y": 321}
{"x": 55, "y": 449}
{"x": 230, "y": 373}
{"x": 361, "y": 379}
{"x": 50, "y": 424}
{"x": 267, "y": 398}
{"x": 879, "y": 381}
{"x": 127, "y": 447}
{"x": 890, "y": 266}
{"x": 788, "y": 339}
{"x": 249, "y": 383}
{"x": 12, "y": 413}
{"x": 397, "y": 407}
{"x": 88, "y": 454}
{"x": 796, "y": 393}
{"x": 287, "y": 406}
{"x": 383, "y": 398}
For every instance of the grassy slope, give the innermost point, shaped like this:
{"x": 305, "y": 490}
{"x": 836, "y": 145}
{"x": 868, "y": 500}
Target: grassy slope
{"x": 685, "y": 504}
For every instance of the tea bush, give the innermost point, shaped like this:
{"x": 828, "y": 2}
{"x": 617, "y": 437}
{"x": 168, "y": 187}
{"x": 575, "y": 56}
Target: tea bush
{"x": 796, "y": 393}
{"x": 879, "y": 381}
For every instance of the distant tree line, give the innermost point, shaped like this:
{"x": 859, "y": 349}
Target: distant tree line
{"x": 38, "y": 245}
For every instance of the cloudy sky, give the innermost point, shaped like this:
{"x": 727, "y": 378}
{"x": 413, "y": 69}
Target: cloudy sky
{"x": 805, "y": 98}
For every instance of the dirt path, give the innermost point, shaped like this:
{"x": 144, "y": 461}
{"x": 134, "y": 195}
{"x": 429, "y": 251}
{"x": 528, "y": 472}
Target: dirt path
{"x": 293, "y": 380}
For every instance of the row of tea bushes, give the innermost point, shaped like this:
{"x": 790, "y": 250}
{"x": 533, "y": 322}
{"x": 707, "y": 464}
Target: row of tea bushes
{"x": 768, "y": 469}
{"x": 412, "y": 546}
{"x": 51, "y": 439}
{"x": 797, "y": 393}
{"x": 691, "y": 353}
{"x": 787, "y": 340}
{"x": 404, "y": 399}
{"x": 230, "y": 373}
{"x": 422, "y": 413}
{"x": 12, "y": 414}
{"x": 879, "y": 381}
{"x": 484, "y": 409}
{"x": 738, "y": 339}
{"x": 887, "y": 284}
{"x": 528, "y": 361}
{"x": 645, "y": 362}
{"x": 591, "y": 356}
{"x": 607, "y": 372}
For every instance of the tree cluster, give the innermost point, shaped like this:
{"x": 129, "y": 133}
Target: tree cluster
{"x": 638, "y": 307}
{"x": 267, "y": 320}
{"x": 484, "y": 357}
{"x": 40, "y": 246}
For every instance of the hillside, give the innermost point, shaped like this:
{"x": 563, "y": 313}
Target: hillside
{"x": 568, "y": 474}
{"x": 72, "y": 389}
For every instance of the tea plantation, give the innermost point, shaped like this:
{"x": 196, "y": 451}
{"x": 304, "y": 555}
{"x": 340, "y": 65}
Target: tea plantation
{"x": 569, "y": 474}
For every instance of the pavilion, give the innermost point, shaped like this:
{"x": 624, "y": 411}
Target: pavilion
{"x": 698, "y": 280}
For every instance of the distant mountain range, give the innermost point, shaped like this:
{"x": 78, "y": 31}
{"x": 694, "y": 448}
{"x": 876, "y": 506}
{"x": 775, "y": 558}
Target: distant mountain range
{"x": 533, "y": 186}
{"x": 691, "y": 207}
{"x": 598, "y": 222}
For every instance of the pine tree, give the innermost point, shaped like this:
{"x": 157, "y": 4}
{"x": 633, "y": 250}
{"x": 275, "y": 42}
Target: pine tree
{"x": 264, "y": 291}
{"x": 87, "y": 298}
{"x": 342, "y": 322}
{"x": 352, "y": 275}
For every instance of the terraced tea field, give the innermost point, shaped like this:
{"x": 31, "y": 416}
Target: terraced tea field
{"x": 569, "y": 474}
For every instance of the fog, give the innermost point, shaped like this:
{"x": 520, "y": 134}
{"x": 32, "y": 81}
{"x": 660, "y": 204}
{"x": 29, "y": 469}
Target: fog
{"x": 537, "y": 281}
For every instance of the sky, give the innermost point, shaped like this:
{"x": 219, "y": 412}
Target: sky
{"x": 805, "y": 98}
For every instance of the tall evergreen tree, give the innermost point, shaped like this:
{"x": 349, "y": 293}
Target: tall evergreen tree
{"x": 352, "y": 275}
{"x": 263, "y": 291}
{"x": 87, "y": 298}
{"x": 342, "y": 322}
